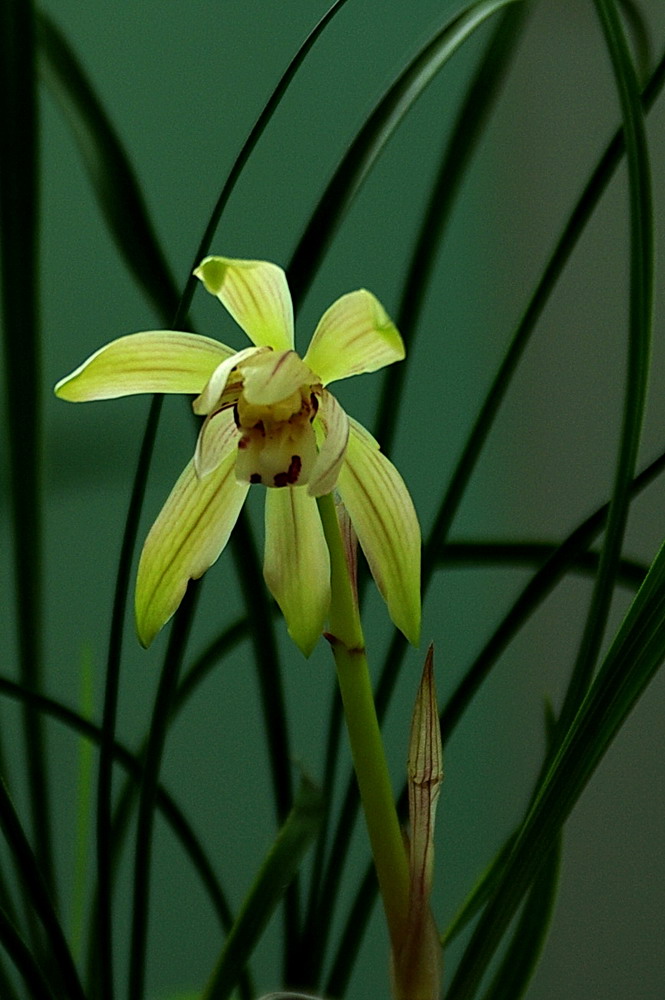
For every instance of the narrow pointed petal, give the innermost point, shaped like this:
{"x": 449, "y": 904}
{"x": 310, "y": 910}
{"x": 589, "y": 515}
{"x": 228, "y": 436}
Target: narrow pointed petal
{"x": 212, "y": 392}
{"x": 297, "y": 565}
{"x": 152, "y": 361}
{"x": 186, "y": 539}
{"x": 272, "y": 376}
{"x": 354, "y": 335}
{"x": 217, "y": 438}
{"x": 256, "y": 294}
{"x": 325, "y": 473}
{"x": 385, "y": 521}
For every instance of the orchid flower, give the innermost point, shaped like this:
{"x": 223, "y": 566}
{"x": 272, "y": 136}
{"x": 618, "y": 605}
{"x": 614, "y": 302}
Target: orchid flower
{"x": 269, "y": 419}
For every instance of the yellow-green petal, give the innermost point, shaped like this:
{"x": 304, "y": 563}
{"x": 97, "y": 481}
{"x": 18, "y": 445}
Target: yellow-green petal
{"x": 384, "y": 518}
{"x": 256, "y": 294}
{"x": 152, "y": 361}
{"x": 332, "y": 449}
{"x": 216, "y": 384}
{"x": 272, "y": 376}
{"x": 217, "y": 438}
{"x": 297, "y": 564}
{"x": 354, "y": 335}
{"x": 188, "y": 536}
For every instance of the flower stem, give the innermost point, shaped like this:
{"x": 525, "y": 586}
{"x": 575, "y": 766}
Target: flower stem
{"x": 369, "y": 761}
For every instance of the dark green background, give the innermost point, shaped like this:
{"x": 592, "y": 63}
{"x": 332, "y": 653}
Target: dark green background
{"x": 184, "y": 83}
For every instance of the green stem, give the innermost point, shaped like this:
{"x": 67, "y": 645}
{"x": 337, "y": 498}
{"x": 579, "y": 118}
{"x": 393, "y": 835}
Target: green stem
{"x": 369, "y": 761}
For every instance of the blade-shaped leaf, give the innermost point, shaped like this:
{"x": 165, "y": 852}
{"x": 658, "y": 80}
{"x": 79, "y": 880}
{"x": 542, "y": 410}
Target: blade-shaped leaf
{"x": 638, "y": 352}
{"x": 470, "y": 122}
{"x": 19, "y": 303}
{"x": 34, "y": 978}
{"x": 373, "y": 137}
{"x": 631, "y": 662}
{"x": 277, "y": 871}
{"x": 520, "y": 960}
{"x": 111, "y": 173}
{"x": 37, "y": 893}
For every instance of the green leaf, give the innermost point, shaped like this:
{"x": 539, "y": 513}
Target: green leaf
{"x": 277, "y": 871}
{"x": 37, "y": 895}
{"x": 512, "y": 978}
{"x": 639, "y": 29}
{"x": 581, "y": 214}
{"x": 638, "y": 353}
{"x": 35, "y": 980}
{"x": 84, "y": 796}
{"x": 519, "y": 962}
{"x": 631, "y": 662}
{"x": 456, "y": 156}
{"x": 112, "y": 176}
{"x": 372, "y": 138}
{"x": 19, "y": 300}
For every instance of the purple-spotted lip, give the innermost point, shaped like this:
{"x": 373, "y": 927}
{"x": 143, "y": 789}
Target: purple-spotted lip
{"x": 280, "y": 479}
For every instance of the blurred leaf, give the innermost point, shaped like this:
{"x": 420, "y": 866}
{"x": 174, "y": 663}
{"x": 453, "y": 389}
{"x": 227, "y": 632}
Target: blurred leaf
{"x": 19, "y": 303}
{"x": 173, "y": 816}
{"x": 478, "y": 896}
{"x": 486, "y": 883}
{"x": 465, "y": 466}
{"x": 521, "y": 958}
{"x": 278, "y": 869}
{"x": 519, "y": 962}
{"x": 517, "y": 553}
{"x": 639, "y": 29}
{"x": 37, "y": 894}
{"x": 637, "y": 362}
{"x": 372, "y": 138}
{"x": 561, "y": 560}
{"x": 83, "y": 808}
{"x": 631, "y": 663}
{"x": 506, "y": 897}
{"x": 468, "y": 129}
{"x": 24, "y": 961}
{"x": 112, "y": 176}
{"x": 148, "y": 795}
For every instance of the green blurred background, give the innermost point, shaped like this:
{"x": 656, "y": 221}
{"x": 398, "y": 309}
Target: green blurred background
{"x": 183, "y": 84}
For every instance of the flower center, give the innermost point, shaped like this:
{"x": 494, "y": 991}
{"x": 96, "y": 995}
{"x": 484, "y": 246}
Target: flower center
{"x": 277, "y": 446}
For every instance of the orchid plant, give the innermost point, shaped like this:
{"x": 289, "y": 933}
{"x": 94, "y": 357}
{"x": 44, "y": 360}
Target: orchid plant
{"x": 240, "y": 871}
{"x": 269, "y": 420}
